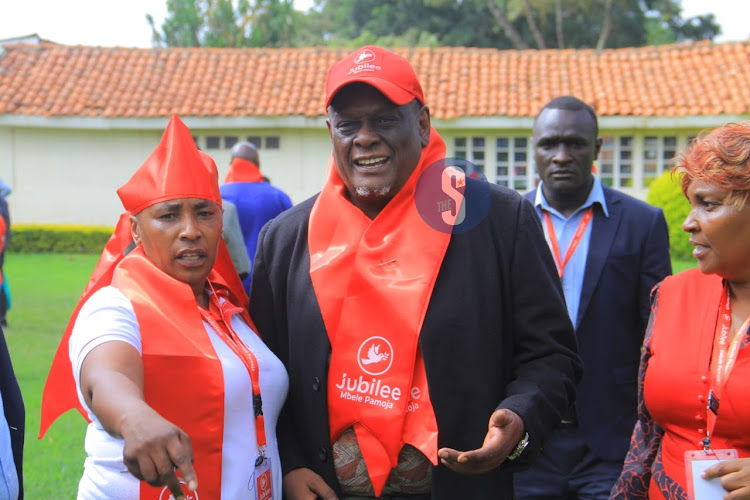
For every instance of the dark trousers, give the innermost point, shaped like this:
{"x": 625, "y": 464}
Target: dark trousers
{"x": 567, "y": 470}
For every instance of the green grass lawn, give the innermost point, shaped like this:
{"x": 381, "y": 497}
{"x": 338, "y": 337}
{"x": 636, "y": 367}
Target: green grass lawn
{"x": 45, "y": 288}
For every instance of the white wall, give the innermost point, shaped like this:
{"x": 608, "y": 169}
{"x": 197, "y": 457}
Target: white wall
{"x": 70, "y": 176}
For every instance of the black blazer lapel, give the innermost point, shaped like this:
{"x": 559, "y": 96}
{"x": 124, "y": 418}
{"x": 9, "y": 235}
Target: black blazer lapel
{"x": 603, "y": 233}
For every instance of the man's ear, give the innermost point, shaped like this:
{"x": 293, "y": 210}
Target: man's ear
{"x": 424, "y": 125}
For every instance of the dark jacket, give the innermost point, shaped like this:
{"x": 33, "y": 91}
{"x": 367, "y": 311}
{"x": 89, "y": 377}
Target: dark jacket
{"x": 628, "y": 255}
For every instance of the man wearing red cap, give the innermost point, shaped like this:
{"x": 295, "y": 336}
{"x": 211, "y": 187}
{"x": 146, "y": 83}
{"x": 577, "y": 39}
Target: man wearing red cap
{"x": 160, "y": 354}
{"x": 423, "y": 362}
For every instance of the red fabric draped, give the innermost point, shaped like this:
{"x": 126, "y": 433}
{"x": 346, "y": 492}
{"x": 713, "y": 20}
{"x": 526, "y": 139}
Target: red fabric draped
{"x": 373, "y": 280}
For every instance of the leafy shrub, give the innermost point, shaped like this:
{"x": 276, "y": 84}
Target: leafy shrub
{"x": 666, "y": 192}
{"x": 58, "y": 238}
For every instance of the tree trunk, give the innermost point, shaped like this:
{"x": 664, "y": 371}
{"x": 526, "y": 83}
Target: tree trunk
{"x": 559, "y": 24}
{"x": 507, "y": 27}
{"x": 606, "y": 26}
{"x": 538, "y": 38}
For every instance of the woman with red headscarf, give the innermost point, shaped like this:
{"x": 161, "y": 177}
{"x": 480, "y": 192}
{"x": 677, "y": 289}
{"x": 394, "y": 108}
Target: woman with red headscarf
{"x": 182, "y": 395}
{"x": 691, "y": 439}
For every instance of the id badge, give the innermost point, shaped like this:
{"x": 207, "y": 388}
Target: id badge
{"x": 696, "y": 461}
{"x": 261, "y": 481}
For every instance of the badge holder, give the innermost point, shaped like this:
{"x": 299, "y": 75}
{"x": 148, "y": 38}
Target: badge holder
{"x": 696, "y": 461}
{"x": 261, "y": 480}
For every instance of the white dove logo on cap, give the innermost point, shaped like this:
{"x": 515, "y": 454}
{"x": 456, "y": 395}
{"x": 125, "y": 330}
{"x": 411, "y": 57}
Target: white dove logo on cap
{"x": 365, "y": 56}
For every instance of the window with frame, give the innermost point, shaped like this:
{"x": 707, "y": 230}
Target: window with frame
{"x": 615, "y": 164}
{"x": 213, "y": 142}
{"x": 228, "y": 141}
{"x": 511, "y": 162}
{"x": 657, "y": 153}
{"x": 273, "y": 142}
{"x": 471, "y": 149}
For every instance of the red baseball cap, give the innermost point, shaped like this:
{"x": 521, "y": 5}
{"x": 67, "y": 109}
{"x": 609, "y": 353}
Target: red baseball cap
{"x": 391, "y": 74}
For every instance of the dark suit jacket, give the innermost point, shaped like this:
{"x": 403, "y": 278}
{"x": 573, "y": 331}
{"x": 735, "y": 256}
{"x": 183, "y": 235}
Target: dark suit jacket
{"x": 628, "y": 255}
{"x": 496, "y": 334}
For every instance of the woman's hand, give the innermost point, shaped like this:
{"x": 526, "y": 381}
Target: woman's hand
{"x": 155, "y": 450}
{"x": 735, "y": 477}
{"x": 505, "y": 431}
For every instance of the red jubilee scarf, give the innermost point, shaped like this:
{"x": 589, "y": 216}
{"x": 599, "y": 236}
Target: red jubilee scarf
{"x": 373, "y": 280}
{"x": 243, "y": 171}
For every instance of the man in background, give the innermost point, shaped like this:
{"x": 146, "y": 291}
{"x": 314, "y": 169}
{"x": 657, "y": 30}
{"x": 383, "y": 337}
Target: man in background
{"x": 256, "y": 200}
{"x": 610, "y": 249}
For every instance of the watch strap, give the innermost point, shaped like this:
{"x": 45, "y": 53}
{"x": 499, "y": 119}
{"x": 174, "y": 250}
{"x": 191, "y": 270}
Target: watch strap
{"x": 522, "y": 444}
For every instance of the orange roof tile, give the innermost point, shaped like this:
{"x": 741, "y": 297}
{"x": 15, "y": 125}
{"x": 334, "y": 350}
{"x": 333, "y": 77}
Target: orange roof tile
{"x": 47, "y": 79}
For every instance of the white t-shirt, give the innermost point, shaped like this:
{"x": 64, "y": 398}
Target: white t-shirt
{"x": 109, "y": 316}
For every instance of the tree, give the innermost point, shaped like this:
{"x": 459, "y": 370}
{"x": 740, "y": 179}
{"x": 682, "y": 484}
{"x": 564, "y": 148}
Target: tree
{"x": 515, "y": 24}
{"x": 229, "y": 23}
{"x": 183, "y": 26}
{"x": 502, "y": 24}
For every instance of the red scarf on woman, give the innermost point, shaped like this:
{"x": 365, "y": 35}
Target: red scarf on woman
{"x": 373, "y": 280}
{"x": 182, "y": 375}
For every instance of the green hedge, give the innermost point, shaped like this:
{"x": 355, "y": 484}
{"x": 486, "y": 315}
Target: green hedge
{"x": 666, "y": 192}
{"x": 58, "y": 238}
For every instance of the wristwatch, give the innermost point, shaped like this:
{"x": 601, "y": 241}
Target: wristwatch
{"x": 522, "y": 444}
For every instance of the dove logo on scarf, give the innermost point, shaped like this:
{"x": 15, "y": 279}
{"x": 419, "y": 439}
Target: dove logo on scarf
{"x": 375, "y": 356}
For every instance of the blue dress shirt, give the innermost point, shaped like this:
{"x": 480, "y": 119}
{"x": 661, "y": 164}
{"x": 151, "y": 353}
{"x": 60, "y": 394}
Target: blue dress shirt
{"x": 565, "y": 229}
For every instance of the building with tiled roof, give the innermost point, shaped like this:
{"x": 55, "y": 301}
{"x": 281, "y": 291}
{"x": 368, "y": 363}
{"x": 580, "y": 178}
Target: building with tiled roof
{"x": 76, "y": 121}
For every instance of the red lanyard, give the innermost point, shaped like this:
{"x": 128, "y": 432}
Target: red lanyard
{"x": 723, "y": 357}
{"x": 573, "y": 244}
{"x": 230, "y": 338}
